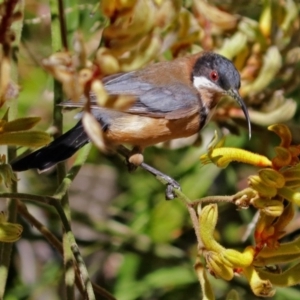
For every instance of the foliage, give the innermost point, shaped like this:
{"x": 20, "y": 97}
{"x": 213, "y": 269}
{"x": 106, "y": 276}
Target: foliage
{"x": 119, "y": 234}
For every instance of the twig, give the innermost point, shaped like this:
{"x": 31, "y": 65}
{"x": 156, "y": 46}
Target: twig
{"x": 58, "y": 246}
{"x": 59, "y": 32}
{"x": 8, "y": 8}
{"x": 193, "y": 214}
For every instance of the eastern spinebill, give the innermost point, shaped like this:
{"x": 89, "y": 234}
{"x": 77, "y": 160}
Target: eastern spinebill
{"x": 173, "y": 99}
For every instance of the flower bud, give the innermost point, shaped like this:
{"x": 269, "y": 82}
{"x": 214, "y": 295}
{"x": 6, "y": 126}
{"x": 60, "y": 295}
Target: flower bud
{"x": 263, "y": 190}
{"x": 217, "y": 267}
{"x": 272, "y": 178}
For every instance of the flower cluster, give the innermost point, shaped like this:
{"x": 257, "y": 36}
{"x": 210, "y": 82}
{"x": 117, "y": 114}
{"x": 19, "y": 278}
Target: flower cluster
{"x": 273, "y": 192}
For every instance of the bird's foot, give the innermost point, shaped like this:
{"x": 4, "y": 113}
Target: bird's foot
{"x": 169, "y": 181}
{"x": 134, "y": 159}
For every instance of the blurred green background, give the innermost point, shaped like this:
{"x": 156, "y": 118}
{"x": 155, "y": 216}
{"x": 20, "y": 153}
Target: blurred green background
{"x": 135, "y": 244}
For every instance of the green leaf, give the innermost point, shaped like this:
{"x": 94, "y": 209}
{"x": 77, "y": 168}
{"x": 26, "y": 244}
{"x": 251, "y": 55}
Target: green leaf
{"x": 233, "y": 295}
{"x": 166, "y": 277}
{"x": 32, "y": 139}
{"x": 21, "y": 124}
{"x": 166, "y": 221}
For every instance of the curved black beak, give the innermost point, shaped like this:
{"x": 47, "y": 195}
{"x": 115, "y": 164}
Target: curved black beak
{"x": 236, "y": 96}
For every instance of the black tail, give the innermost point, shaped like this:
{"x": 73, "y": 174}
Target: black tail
{"x": 58, "y": 150}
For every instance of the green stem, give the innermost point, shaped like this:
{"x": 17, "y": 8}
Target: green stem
{"x": 62, "y": 25}
{"x": 68, "y": 179}
{"x": 22, "y": 209}
{"x": 59, "y": 40}
{"x": 85, "y": 280}
{"x": 52, "y": 239}
{"x": 206, "y": 288}
{"x": 8, "y": 9}
{"x": 192, "y": 209}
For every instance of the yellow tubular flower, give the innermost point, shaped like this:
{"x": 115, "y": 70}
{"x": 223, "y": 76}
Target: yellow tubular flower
{"x": 290, "y": 195}
{"x": 283, "y": 132}
{"x": 236, "y": 259}
{"x": 207, "y": 223}
{"x": 263, "y": 190}
{"x": 284, "y": 219}
{"x": 273, "y": 208}
{"x": 260, "y": 287}
{"x": 263, "y": 230}
{"x": 217, "y": 267}
{"x": 272, "y": 178}
{"x": 292, "y": 173}
{"x": 283, "y": 157}
{"x": 222, "y": 156}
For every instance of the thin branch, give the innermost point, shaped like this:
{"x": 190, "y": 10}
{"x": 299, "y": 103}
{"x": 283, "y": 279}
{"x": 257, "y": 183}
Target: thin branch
{"x": 68, "y": 179}
{"x": 59, "y": 32}
{"x": 193, "y": 214}
{"x": 58, "y": 246}
{"x": 85, "y": 280}
{"x": 63, "y": 27}
{"x": 213, "y": 199}
{"x": 52, "y": 239}
{"x": 6, "y": 24}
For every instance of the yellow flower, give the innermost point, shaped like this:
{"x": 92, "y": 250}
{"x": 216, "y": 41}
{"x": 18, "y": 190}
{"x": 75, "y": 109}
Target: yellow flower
{"x": 287, "y": 154}
{"x": 273, "y": 191}
{"x": 260, "y": 287}
{"x": 221, "y": 261}
{"x": 9, "y": 232}
{"x": 222, "y": 156}
{"x": 270, "y": 229}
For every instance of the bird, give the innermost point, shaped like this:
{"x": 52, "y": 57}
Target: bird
{"x": 172, "y": 99}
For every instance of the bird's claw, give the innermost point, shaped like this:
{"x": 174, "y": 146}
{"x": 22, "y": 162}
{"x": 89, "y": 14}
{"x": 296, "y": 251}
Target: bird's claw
{"x": 170, "y": 182}
{"x": 132, "y": 164}
{"x": 169, "y": 193}
{"x": 171, "y": 185}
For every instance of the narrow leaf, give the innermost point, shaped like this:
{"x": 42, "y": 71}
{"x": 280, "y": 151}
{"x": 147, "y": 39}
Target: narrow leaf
{"x": 32, "y": 139}
{"x": 21, "y": 124}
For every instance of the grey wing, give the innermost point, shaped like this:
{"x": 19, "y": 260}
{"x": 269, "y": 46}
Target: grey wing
{"x": 171, "y": 102}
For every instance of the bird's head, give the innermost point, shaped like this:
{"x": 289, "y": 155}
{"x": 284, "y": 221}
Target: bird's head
{"x": 217, "y": 75}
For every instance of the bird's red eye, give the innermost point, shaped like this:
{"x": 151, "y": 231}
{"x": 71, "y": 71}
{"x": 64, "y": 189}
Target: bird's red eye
{"x": 214, "y": 76}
